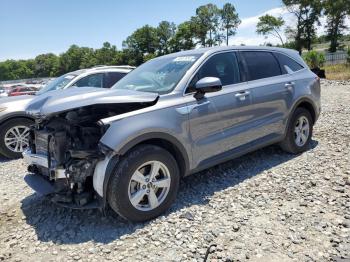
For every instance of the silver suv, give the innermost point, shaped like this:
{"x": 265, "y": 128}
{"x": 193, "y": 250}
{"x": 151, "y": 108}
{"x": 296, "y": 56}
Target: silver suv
{"x": 128, "y": 147}
{"x": 14, "y": 122}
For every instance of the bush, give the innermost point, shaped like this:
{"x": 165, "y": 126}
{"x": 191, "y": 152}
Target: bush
{"x": 314, "y": 59}
{"x": 348, "y": 58}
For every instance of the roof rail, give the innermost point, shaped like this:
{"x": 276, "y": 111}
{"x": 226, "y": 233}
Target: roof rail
{"x": 117, "y": 66}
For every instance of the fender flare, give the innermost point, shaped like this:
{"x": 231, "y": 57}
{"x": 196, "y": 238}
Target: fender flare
{"x": 296, "y": 105}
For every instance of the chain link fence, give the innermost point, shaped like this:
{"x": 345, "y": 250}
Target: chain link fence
{"x": 339, "y": 57}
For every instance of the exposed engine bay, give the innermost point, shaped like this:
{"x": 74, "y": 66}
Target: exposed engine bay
{"x": 70, "y": 140}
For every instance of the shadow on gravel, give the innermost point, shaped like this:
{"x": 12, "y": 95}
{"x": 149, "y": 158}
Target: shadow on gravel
{"x": 4, "y": 159}
{"x": 65, "y": 226}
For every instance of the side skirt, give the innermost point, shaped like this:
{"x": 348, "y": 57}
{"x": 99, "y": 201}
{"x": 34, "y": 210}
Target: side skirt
{"x": 237, "y": 152}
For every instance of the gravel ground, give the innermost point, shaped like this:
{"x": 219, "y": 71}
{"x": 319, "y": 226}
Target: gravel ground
{"x": 265, "y": 206}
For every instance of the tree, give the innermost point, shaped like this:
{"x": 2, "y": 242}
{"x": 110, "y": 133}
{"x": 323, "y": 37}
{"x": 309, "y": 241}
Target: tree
{"x": 206, "y": 24}
{"x": 270, "y": 25}
{"x": 165, "y": 32}
{"x": 307, "y": 14}
{"x": 229, "y": 20}
{"x": 72, "y": 59}
{"x": 143, "y": 39}
{"x": 106, "y": 55}
{"x": 336, "y": 12}
{"x": 140, "y": 43}
{"x": 46, "y": 65}
{"x": 13, "y": 70}
{"x": 183, "y": 38}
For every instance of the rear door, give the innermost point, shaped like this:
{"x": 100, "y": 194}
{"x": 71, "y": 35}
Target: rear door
{"x": 218, "y": 121}
{"x": 272, "y": 93}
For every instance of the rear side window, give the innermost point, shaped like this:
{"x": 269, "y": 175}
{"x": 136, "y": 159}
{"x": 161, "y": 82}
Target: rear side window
{"x": 288, "y": 65}
{"x": 112, "y": 77}
{"x": 223, "y": 66}
{"x": 261, "y": 65}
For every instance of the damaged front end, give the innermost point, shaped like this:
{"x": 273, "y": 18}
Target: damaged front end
{"x": 65, "y": 149}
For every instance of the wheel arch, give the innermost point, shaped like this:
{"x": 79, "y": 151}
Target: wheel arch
{"x": 309, "y": 105}
{"x": 306, "y": 103}
{"x": 15, "y": 116}
{"x": 163, "y": 140}
{"x": 166, "y": 141}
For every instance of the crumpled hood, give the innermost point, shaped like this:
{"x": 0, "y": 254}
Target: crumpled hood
{"x": 64, "y": 100}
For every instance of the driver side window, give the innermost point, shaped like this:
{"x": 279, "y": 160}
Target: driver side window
{"x": 223, "y": 66}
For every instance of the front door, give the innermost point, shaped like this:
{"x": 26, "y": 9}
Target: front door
{"x": 217, "y": 122}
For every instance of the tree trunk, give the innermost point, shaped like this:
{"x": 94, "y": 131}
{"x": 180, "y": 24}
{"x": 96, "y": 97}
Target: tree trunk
{"x": 210, "y": 39}
{"x": 227, "y": 36}
{"x": 334, "y": 37}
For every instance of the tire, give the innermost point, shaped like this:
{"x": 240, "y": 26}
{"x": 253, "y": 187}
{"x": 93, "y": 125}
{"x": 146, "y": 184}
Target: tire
{"x": 143, "y": 158}
{"x": 289, "y": 144}
{"x": 5, "y": 150}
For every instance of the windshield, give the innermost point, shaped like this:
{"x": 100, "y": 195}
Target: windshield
{"x": 57, "y": 83}
{"x": 160, "y": 75}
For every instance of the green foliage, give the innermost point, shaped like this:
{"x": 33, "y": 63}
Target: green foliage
{"x": 51, "y": 65}
{"x": 230, "y": 20}
{"x": 314, "y": 59}
{"x": 206, "y": 23}
{"x": 270, "y": 25}
{"x": 11, "y": 69}
{"x": 307, "y": 14}
{"x": 336, "y": 12}
{"x": 46, "y": 65}
{"x": 183, "y": 38}
{"x": 348, "y": 54}
{"x": 165, "y": 32}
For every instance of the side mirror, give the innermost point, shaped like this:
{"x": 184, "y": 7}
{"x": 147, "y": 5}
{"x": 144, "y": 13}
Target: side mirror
{"x": 207, "y": 85}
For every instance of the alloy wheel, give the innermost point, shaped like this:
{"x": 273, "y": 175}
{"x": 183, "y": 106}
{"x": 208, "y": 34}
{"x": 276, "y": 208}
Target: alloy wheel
{"x": 17, "y": 138}
{"x": 301, "y": 131}
{"x": 149, "y": 186}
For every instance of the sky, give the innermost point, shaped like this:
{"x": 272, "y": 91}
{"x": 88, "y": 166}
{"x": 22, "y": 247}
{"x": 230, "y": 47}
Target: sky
{"x": 32, "y": 27}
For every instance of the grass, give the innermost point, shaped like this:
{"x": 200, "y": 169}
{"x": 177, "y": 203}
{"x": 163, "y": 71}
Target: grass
{"x": 337, "y": 72}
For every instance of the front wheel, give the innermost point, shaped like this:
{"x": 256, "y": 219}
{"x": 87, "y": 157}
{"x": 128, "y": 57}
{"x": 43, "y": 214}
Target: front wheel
{"x": 14, "y": 137}
{"x": 144, "y": 183}
{"x": 299, "y": 132}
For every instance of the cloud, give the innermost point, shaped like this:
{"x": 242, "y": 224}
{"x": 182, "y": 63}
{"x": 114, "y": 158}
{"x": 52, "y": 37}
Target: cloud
{"x": 252, "y": 21}
{"x": 246, "y": 32}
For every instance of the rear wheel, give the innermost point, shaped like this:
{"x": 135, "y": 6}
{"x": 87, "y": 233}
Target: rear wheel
{"x": 144, "y": 183}
{"x": 299, "y": 132}
{"x": 14, "y": 137}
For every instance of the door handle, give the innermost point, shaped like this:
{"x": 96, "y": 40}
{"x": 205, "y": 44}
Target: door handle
{"x": 289, "y": 86}
{"x": 242, "y": 95}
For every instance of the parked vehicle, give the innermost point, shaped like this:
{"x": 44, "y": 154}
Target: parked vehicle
{"x": 173, "y": 116}
{"x": 21, "y": 91}
{"x": 14, "y": 122}
{"x": 2, "y": 92}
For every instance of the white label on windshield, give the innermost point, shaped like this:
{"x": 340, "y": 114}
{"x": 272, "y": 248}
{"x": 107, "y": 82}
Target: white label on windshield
{"x": 185, "y": 59}
{"x": 69, "y": 77}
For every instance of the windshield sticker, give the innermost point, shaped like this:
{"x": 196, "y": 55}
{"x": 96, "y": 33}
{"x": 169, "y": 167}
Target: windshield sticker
{"x": 69, "y": 77}
{"x": 185, "y": 59}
